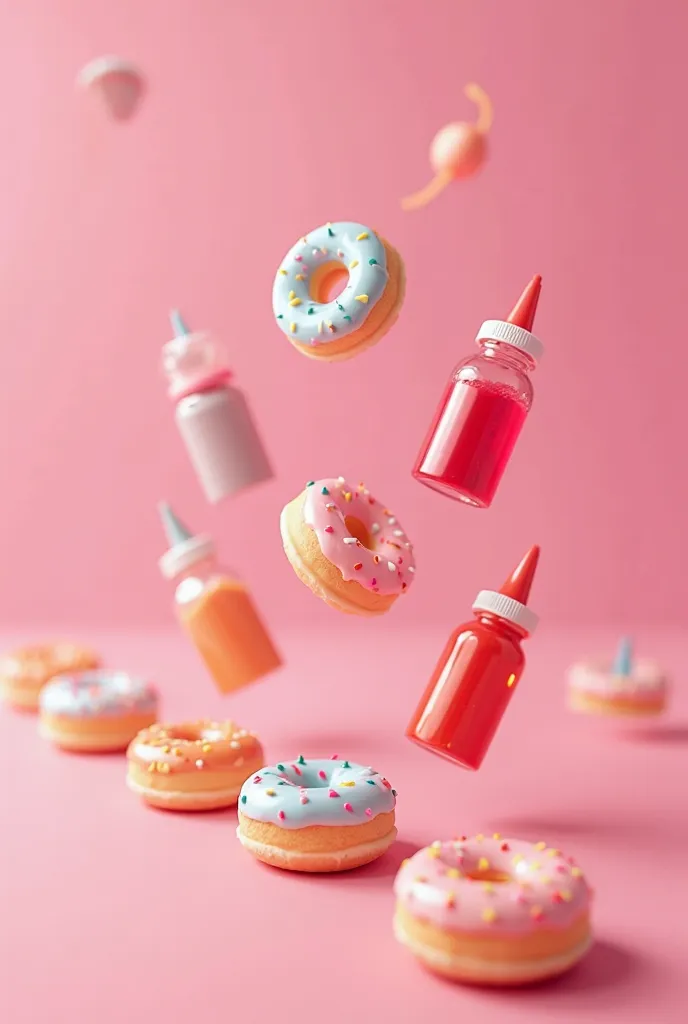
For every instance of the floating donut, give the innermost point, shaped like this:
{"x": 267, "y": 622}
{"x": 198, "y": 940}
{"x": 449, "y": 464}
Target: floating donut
{"x": 96, "y": 711}
{"x": 25, "y": 672}
{"x": 493, "y": 911}
{"x": 316, "y": 815}
{"x": 338, "y": 328}
{"x": 195, "y": 766}
{"x": 624, "y": 688}
{"x": 347, "y": 547}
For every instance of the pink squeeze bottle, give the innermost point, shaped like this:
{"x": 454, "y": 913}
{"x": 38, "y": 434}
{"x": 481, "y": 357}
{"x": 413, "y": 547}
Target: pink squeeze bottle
{"x": 212, "y": 415}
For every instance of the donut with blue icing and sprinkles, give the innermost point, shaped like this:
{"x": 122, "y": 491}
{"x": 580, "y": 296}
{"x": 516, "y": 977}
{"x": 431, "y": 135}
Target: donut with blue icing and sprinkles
{"x": 327, "y": 324}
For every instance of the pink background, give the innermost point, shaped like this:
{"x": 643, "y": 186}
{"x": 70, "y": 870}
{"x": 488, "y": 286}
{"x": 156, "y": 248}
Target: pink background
{"x": 265, "y": 119}
{"x": 112, "y": 913}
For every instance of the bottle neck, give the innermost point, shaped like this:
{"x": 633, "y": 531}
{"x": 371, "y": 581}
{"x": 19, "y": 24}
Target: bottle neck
{"x": 202, "y": 568}
{"x": 507, "y": 355}
{"x": 502, "y": 626}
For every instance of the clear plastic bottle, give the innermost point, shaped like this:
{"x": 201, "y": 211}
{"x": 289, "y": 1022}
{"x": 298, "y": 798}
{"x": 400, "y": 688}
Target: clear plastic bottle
{"x": 483, "y": 409}
{"x": 212, "y": 415}
{"x": 215, "y": 609}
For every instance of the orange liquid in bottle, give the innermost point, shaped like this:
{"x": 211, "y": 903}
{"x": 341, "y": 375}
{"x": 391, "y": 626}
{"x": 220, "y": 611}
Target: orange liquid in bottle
{"x": 229, "y": 634}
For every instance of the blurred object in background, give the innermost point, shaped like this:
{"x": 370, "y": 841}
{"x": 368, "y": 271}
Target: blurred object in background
{"x": 116, "y": 83}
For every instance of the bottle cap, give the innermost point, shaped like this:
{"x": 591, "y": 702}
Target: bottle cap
{"x": 185, "y": 549}
{"x": 517, "y": 329}
{"x": 510, "y": 602}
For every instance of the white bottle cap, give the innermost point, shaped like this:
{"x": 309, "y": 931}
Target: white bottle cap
{"x": 186, "y": 550}
{"x": 510, "y": 334}
{"x": 506, "y": 608}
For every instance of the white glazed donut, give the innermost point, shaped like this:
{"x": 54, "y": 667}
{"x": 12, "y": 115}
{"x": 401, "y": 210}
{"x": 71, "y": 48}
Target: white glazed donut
{"x": 96, "y": 711}
{"x": 337, "y": 328}
{"x": 316, "y": 815}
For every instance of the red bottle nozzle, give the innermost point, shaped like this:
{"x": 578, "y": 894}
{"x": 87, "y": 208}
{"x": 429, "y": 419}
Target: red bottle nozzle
{"x": 523, "y": 313}
{"x": 518, "y": 585}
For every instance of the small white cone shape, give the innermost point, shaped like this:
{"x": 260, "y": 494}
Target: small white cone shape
{"x": 118, "y": 84}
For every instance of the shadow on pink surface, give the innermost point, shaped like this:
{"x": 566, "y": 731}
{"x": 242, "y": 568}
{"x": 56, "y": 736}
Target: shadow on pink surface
{"x": 658, "y": 735}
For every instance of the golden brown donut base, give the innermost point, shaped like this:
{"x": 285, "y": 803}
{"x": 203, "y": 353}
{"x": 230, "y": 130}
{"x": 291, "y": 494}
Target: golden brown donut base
{"x": 317, "y": 848}
{"x": 382, "y": 316}
{"x": 502, "y": 959}
{"x": 319, "y": 574}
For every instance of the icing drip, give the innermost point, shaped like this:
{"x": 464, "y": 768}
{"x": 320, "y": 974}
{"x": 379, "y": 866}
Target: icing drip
{"x": 385, "y": 562}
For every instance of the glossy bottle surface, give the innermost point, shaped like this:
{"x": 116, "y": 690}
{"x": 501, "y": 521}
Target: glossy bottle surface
{"x": 469, "y": 691}
{"x": 476, "y": 425}
{"x": 221, "y": 619}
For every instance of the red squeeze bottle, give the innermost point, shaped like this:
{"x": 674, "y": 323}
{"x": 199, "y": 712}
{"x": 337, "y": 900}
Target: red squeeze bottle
{"x": 477, "y": 674}
{"x": 483, "y": 409}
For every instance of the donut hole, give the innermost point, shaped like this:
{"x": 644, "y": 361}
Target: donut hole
{"x": 358, "y": 530}
{"x": 489, "y": 875}
{"x": 328, "y": 281}
{"x": 185, "y": 734}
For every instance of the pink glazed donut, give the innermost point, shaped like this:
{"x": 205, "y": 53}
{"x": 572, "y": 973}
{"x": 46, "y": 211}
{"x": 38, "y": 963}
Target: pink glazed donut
{"x": 347, "y": 547}
{"x": 493, "y": 911}
{"x": 595, "y": 689}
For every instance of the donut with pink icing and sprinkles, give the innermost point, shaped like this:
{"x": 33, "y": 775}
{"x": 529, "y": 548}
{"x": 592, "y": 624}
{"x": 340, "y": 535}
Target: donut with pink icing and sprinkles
{"x": 493, "y": 911}
{"x": 347, "y": 547}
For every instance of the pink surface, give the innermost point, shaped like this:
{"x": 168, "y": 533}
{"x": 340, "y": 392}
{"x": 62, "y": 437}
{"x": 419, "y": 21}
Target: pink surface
{"x": 263, "y": 120}
{"x": 112, "y": 912}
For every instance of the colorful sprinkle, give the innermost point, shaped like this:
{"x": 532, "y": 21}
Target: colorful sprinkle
{"x": 345, "y": 764}
{"x": 292, "y": 327}
{"x": 280, "y": 767}
{"x": 303, "y": 798}
{"x": 354, "y": 263}
{"x": 206, "y": 748}
{"x": 270, "y": 792}
{"x": 300, "y": 277}
{"x": 375, "y": 528}
{"x": 450, "y": 901}
{"x": 347, "y": 318}
{"x": 280, "y": 316}
{"x": 453, "y": 873}
{"x": 281, "y": 815}
{"x": 489, "y": 915}
{"x": 576, "y": 873}
{"x": 358, "y": 565}
{"x": 372, "y": 262}
{"x": 347, "y": 495}
{"x": 311, "y": 311}
{"x": 201, "y": 764}
{"x": 369, "y": 812}
{"x": 244, "y": 798}
{"x": 536, "y": 913}
{"x": 349, "y": 782}
{"x": 321, "y": 774}
{"x": 283, "y": 271}
{"x": 330, "y": 231}
{"x": 349, "y": 808}
{"x": 301, "y": 759}
{"x": 329, "y": 529}
{"x": 333, "y": 793}
{"x": 483, "y": 864}
{"x": 361, "y": 298}
{"x": 371, "y": 782}
{"x": 540, "y": 846}
{"x": 298, "y": 258}
{"x": 324, "y": 491}
{"x": 363, "y": 235}
{"x": 258, "y": 778}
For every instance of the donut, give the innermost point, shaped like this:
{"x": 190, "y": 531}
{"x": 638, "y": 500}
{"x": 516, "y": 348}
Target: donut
{"x": 595, "y": 689}
{"x": 24, "y": 672}
{"x": 96, "y": 711}
{"x": 361, "y": 314}
{"x": 347, "y": 547}
{"x": 316, "y": 815}
{"x": 493, "y": 911}
{"x": 195, "y": 766}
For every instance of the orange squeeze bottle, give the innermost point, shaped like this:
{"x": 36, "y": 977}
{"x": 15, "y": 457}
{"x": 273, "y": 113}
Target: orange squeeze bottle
{"x": 215, "y": 609}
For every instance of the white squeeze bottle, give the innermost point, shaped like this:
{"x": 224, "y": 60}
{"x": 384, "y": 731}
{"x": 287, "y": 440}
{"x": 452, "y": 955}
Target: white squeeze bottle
{"x": 212, "y": 414}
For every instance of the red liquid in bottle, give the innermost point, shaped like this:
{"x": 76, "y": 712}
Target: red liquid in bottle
{"x": 477, "y": 673}
{"x": 471, "y": 439}
{"x": 483, "y": 409}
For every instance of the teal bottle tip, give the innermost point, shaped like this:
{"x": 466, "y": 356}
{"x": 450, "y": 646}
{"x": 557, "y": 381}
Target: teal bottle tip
{"x": 178, "y": 324}
{"x": 176, "y": 531}
{"x": 623, "y": 663}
